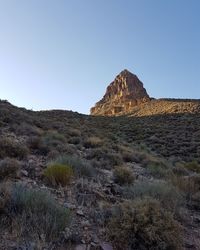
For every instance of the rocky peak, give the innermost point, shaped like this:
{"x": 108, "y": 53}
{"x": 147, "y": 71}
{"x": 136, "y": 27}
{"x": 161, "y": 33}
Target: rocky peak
{"x": 125, "y": 92}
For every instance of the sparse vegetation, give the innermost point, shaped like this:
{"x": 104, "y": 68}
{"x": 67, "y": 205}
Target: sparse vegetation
{"x": 36, "y": 212}
{"x": 10, "y": 148}
{"x": 146, "y": 160}
{"x": 143, "y": 224}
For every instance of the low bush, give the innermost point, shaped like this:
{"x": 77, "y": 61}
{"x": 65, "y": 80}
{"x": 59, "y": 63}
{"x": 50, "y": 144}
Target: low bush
{"x": 193, "y": 166}
{"x": 113, "y": 159}
{"x": 168, "y": 195}
{"x": 5, "y": 194}
{"x": 27, "y": 129}
{"x": 143, "y": 225}
{"x": 128, "y": 156}
{"x": 36, "y": 212}
{"x": 81, "y": 168}
{"x": 158, "y": 170}
{"x": 74, "y": 140}
{"x": 11, "y": 148}
{"x": 123, "y": 175}
{"x": 180, "y": 170}
{"x": 74, "y": 132}
{"x": 189, "y": 185}
{"x": 53, "y": 137}
{"x": 9, "y": 168}
{"x": 58, "y": 174}
{"x": 47, "y": 142}
{"x": 93, "y": 142}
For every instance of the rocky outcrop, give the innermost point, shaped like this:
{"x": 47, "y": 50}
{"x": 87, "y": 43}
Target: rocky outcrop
{"x": 127, "y": 96}
{"x": 124, "y": 93}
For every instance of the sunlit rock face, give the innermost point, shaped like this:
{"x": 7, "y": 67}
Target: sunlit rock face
{"x": 124, "y": 93}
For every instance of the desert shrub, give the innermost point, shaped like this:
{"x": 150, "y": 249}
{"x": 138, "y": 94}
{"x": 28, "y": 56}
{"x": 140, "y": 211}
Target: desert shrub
{"x": 58, "y": 174}
{"x": 158, "y": 170}
{"x": 74, "y": 140}
{"x": 81, "y": 168}
{"x": 196, "y": 201}
{"x": 74, "y": 132}
{"x": 168, "y": 195}
{"x": 52, "y": 155}
{"x": 37, "y": 212}
{"x": 123, "y": 175}
{"x": 143, "y": 224}
{"x": 128, "y": 156}
{"x": 5, "y": 194}
{"x": 27, "y": 129}
{"x": 11, "y": 148}
{"x": 9, "y": 168}
{"x": 113, "y": 159}
{"x": 193, "y": 166}
{"x": 96, "y": 153}
{"x": 52, "y": 139}
{"x": 34, "y": 142}
{"x": 189, "y": 185}
{"x": 92, "y": 142}
{"x": 49, "y": 141}
{"x": 179, "y": 169}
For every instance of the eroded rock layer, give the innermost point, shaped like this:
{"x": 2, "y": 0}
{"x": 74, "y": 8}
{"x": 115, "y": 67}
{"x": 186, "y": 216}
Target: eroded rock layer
{"x": 124, "y": 93}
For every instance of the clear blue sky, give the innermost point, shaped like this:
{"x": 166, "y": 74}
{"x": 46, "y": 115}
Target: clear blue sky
{"x": 64, "y": 53}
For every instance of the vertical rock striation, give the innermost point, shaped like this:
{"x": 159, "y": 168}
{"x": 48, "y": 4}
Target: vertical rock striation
{"x": 124, "y": 93}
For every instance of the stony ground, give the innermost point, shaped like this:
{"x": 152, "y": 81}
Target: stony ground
{"x": 115, "y": 160}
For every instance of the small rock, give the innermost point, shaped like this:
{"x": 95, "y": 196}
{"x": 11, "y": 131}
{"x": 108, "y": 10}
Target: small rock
{"x": 79, "y": 212}
{"x": 189, "y": 245}
{"x": 86, "y": 223}
{"x": 106, "y": 246}
{"x": 197, "y": 220}
{"x": 81, "y": 247}
{"x": 24, "y": 172}
{"x": 95, "y": 239}
{"x": 69, "y": 205}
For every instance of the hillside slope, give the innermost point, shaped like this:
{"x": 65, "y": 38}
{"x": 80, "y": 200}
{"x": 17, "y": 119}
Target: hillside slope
{"x": 113, "y": 164}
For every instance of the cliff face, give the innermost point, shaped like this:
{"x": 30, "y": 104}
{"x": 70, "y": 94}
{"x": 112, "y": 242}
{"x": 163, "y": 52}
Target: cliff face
{"x": 124, "y": 93}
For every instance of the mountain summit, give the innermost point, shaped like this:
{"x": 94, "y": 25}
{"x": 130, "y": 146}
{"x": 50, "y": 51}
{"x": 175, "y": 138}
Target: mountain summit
{"x": 127, "y": 96}
{"x": 124, "y": 93}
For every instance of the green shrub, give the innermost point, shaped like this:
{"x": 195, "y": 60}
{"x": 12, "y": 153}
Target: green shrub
{"x": 59, "y": 174}
{"x": 81, "y": 168}
{"x": 49, "y": 141}
{"x": 123, "y": 175}
{"x": 158, "y": 170}
{"x": 193, "y": 166}
{"x": 37, "y": 212}
{"x": 9, "y": 168}
{"x": 143, "y": 224}
{"x": 113, "y": 159}
{"x": 189, "y": 185}
{"x": 53, "y": 137}
{"x": 168, "y": 195}
{"x": 11, "y": 148}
